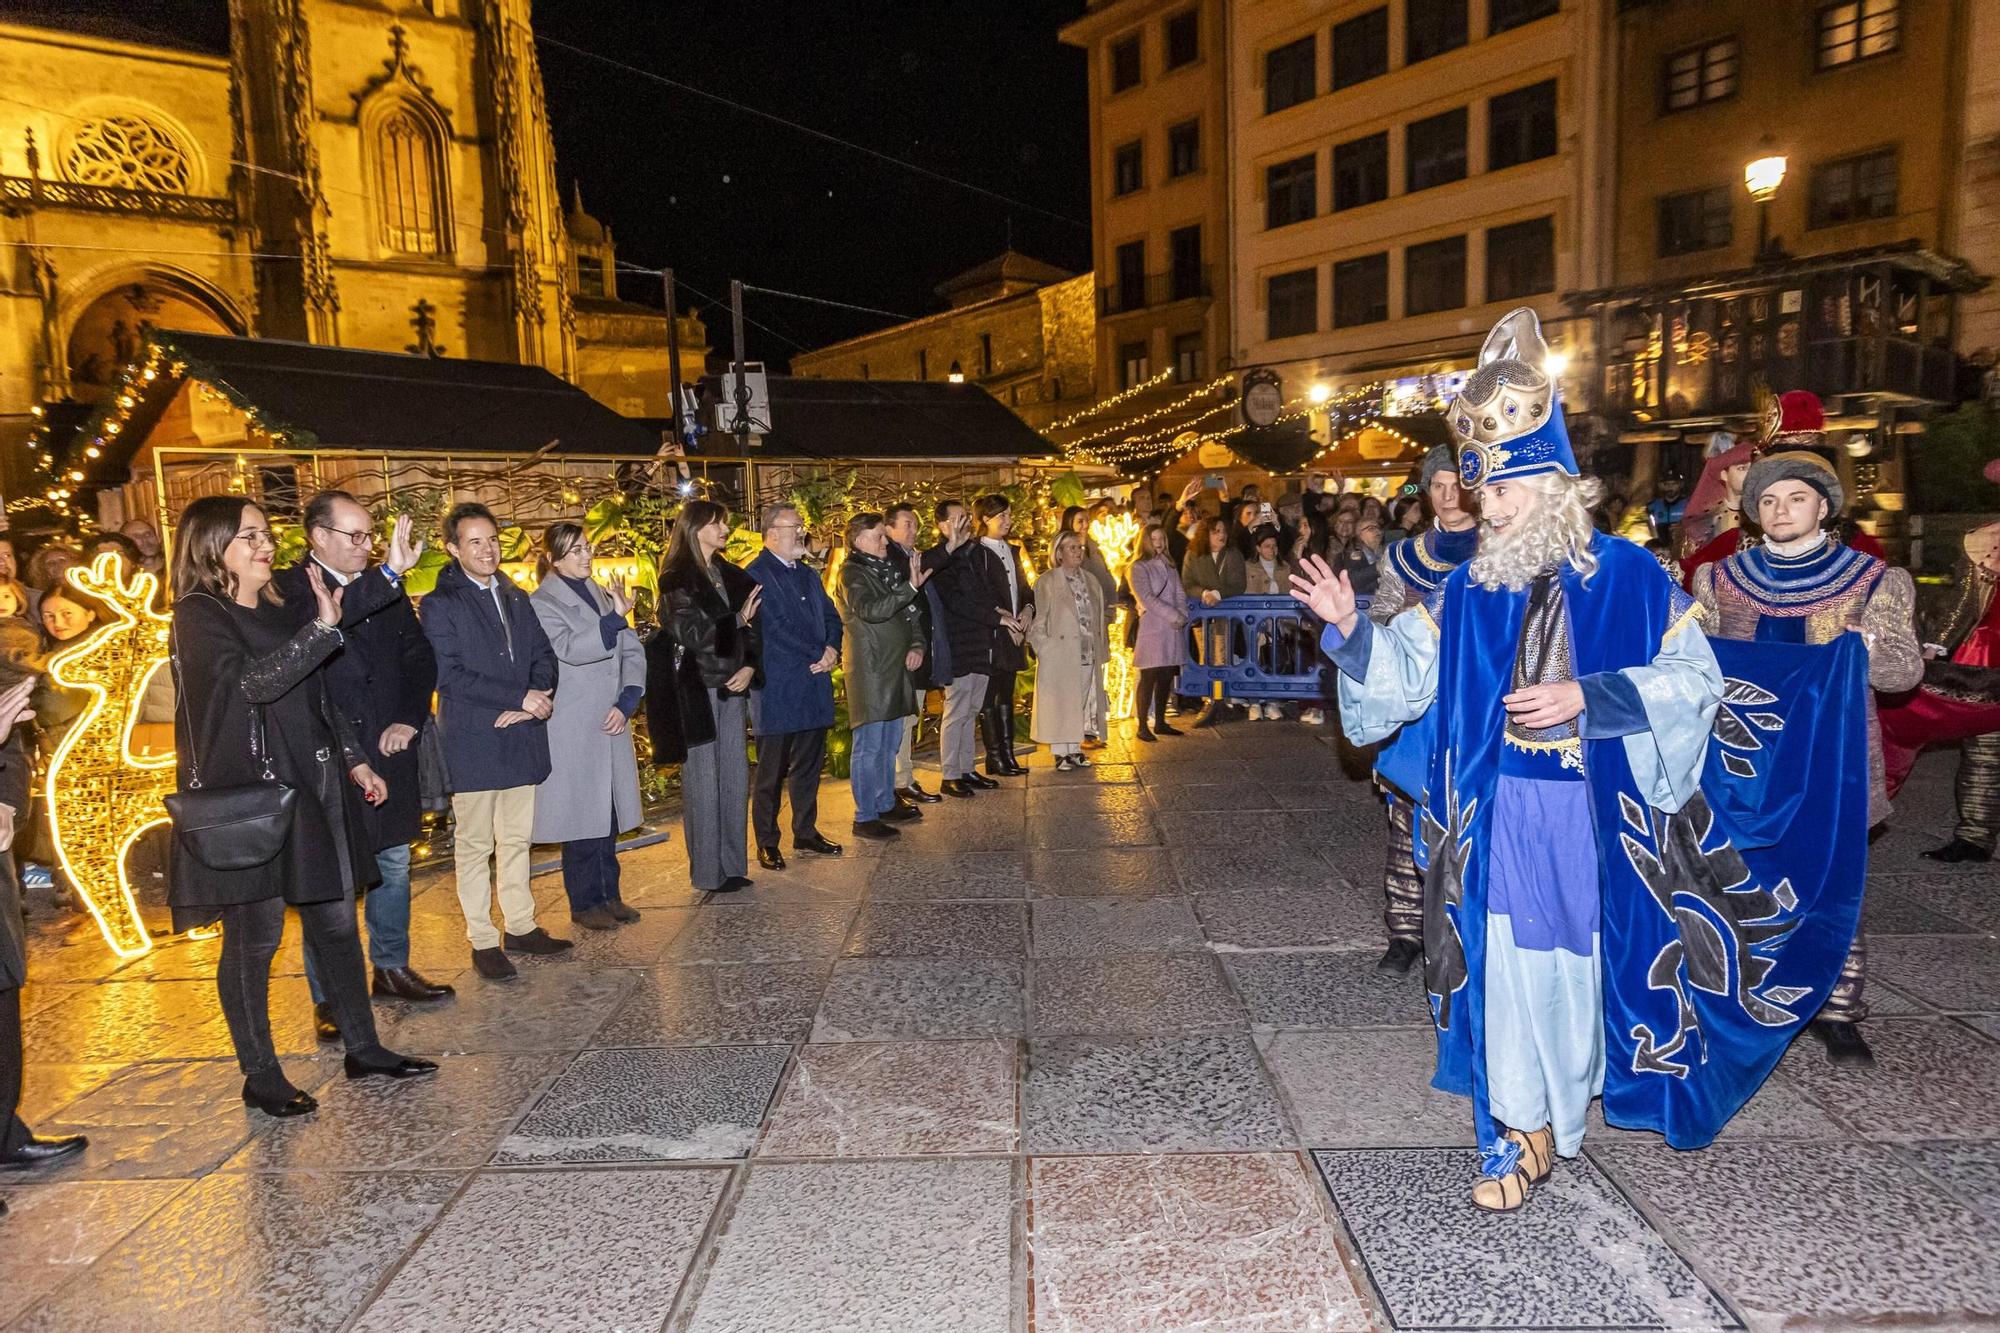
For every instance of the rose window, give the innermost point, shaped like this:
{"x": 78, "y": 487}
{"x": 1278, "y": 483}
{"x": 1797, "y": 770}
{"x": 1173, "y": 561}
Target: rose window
{"x": 127, "y": 152}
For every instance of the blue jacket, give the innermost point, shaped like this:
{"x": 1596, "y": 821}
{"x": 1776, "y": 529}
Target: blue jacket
{"x": 797, "y": 622}
{"x": 479, "y": 677}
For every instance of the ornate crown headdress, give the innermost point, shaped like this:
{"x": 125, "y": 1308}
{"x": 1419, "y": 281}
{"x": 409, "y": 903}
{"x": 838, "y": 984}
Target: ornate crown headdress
{"x": 1507, "y": 421}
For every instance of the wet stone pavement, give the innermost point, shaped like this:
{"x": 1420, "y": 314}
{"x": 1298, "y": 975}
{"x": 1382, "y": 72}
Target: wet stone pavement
{"x": 1097, "y": 1051}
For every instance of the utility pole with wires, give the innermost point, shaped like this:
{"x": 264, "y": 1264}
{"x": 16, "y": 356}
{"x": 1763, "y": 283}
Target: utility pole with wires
{"x": 740, "y": 423}
{"x": 680, "y": 423}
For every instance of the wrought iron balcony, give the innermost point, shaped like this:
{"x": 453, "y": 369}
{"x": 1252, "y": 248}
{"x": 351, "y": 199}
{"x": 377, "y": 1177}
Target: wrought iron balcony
{"x": 1183, "y": 284}
{"x": 28, "y": 191}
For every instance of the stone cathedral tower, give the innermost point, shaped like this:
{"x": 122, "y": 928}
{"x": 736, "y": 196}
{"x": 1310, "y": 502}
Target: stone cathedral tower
{"x": 400, "y": 155}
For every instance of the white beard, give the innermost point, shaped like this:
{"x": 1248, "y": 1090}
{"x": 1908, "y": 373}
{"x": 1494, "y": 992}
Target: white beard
{"x": 1529, "y": 547}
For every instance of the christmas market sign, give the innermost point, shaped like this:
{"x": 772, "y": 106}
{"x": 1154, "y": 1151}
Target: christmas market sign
{"x": 1263, "y": 398}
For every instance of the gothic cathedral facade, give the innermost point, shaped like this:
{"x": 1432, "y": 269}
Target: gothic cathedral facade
{"x": 366, "y": 173}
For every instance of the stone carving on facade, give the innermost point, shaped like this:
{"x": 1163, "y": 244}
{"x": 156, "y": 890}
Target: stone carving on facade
{"x": 295, "y": 97}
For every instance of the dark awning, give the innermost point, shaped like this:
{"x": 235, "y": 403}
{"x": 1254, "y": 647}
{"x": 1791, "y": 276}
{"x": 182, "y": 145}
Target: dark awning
{"x": 376, "y": 402}
{"x": 896, "y": 420}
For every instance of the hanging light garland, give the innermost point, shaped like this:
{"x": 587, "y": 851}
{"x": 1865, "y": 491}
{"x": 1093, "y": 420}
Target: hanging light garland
{"x": 1166, "y": 409}
{"x": 1108, "y": 403}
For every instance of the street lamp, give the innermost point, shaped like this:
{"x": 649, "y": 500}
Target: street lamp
{"x": 1763, "y": 175}
{"x": 955, "y": 375}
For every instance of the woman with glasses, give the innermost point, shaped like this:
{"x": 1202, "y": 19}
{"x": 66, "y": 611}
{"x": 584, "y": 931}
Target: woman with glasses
{"x": 700, "y": 668}
{"x": 592, "y": 791}
{"x": 252, "y": 699}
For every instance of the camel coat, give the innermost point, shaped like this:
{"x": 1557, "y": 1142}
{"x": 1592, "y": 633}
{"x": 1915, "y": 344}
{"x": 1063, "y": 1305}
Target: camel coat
{"x": 1058, "y": 637}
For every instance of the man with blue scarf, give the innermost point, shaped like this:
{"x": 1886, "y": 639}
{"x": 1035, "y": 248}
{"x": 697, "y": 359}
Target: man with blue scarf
{"x": 1412, "y": 571}
{"x": 1590, "y": 922}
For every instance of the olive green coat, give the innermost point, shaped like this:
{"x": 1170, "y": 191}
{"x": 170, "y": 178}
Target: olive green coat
{"x": 880, "y": 623}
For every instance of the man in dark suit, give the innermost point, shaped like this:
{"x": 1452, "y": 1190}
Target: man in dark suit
{"x": 496, "y": 689}
{"x": 790, "y": 713}
{"x": 381, "y": 678}
{"x": 18, "y": 1147}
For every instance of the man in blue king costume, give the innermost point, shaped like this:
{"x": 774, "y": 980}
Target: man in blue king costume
{"x": 1591, "y": 924}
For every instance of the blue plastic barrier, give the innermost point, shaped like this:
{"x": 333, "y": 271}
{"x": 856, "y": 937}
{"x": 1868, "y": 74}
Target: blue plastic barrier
{"x": 1264, "y": 648}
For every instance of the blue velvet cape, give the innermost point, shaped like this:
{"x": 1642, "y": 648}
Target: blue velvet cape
{"x": 1724, "y": 925}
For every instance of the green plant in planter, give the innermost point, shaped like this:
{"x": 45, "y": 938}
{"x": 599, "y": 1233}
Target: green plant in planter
{"x": 1950, "y": 463}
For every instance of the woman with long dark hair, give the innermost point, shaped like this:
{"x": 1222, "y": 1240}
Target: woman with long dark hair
{"x": 701, "y": 667}
{"x": 253, "y": 707}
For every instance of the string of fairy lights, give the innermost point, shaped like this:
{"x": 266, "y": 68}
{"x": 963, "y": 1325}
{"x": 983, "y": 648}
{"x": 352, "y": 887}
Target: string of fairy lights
{"x": 1180, "y": 404}
{"x": 1106, "y": 404}
{"x": 1349, "y": 411}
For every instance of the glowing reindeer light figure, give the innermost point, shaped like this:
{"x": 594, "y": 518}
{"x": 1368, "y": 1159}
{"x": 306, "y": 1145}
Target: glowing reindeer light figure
{"x": 1117, "y": 536}
{"x": 101, "y": 795}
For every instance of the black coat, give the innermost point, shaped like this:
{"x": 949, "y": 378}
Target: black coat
{"x": 384, "y": 673}
{"x": 1007, "y": 655}
{"x": 699, "y": 645}
{"x": 229, "y": 658}
{"x": 973, "y": 589}
{"x": 928, "y": 676}
{"x": 480, "y": 677}
{"x": 15, "y": 773}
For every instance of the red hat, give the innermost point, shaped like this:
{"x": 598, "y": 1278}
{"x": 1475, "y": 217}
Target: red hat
{"x": 1791, "y": 420}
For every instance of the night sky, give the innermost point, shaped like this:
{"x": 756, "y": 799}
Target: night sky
{"x": 972, "y": 89}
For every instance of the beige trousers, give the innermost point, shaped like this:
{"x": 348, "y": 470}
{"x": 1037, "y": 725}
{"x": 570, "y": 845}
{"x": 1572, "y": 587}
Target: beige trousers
{"x": 493, "y": 827}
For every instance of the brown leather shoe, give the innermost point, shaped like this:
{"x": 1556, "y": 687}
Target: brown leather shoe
{"x": 406, "y": 983}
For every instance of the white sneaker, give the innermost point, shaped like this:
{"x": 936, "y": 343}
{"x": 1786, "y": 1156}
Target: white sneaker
{"x": 1313, "y": 717}
{"x": 1275, "y": 713}
{"x": 1254, "y": 711}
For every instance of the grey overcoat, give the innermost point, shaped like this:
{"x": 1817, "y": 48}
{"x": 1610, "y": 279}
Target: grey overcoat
{"x": 590, "y": 773}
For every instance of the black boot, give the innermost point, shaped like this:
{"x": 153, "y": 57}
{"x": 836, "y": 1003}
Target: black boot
{"x": 1843, "y": 1041}
{"x": 1400, "y": 957}
{"x": 1958, "y": 849}
{"x": 1014, "y": 767}
{"x": 989, "y": 736}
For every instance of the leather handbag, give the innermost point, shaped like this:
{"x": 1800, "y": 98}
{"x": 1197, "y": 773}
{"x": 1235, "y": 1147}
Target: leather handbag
{"x": 238, "y": 827}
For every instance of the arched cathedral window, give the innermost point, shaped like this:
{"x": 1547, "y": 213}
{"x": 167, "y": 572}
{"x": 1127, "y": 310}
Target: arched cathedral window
{"x": 411, "y": 183}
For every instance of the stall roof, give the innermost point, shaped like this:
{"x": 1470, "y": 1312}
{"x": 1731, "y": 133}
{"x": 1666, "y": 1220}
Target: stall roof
{"x": 380, "y": 402}
{"x": 910, "y": 421}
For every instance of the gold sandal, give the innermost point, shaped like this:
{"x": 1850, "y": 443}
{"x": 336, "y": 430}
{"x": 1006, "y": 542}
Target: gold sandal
{"x": 1538, "y": 1152}
{"x": 1501, "y": 1194}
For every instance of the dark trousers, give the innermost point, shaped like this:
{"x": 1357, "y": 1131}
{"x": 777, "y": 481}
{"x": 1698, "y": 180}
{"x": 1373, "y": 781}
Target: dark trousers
{"x": 796, "y": 755}
{"x": 13, "y": 1133}
{"x": 250, "y": 934}
{"x": 590, "y": 870}
{"x": 1156, "y": 684}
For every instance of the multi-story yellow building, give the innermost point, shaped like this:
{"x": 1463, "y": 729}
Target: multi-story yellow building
{"x": 1014, "y": 326}
{"x": 375, "y": 176}
{"x": 1405, "y": 172}
{"x": 1374, "y": 182}
{"x": 1790, "y": 194}
{"x": 1159, "y": 173}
